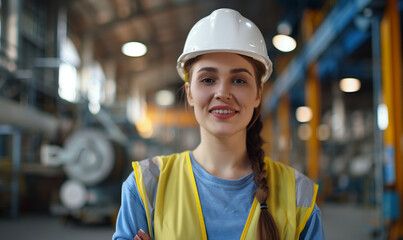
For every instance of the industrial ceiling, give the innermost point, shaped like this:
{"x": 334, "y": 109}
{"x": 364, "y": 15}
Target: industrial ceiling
{"x": 162, "y": 25}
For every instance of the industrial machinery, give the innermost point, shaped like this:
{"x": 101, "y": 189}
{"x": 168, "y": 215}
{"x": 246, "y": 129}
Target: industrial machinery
{"x": 93, "y": 164}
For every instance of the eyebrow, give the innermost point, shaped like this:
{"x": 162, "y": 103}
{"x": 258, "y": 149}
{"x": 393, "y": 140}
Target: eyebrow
{"x": 238, "y": 70}
{"x": 215, "y": 70}
{"x": 208, "y": 69}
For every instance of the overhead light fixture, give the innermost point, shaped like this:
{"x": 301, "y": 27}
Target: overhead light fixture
{"x": 134, "y": 49}
{"x": 284, "y": 43}
{"x": 303, "y": 114}
{"x": 164, "y": 98}
{"x": 350, "y": 84}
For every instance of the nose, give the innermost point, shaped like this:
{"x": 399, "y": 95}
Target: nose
{"x": 223, "y": 91}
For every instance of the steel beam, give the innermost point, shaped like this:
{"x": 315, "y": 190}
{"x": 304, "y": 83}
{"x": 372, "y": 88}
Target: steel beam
{"x": 337, "y": 20}
{"x": 392, "y": 89}
{"x": 378, "y": 136}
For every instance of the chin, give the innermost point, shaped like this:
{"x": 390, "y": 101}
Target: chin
{"x": 226, "y": 131}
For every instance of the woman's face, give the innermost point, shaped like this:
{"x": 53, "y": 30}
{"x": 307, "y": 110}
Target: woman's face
{"x": 223, "y": 91}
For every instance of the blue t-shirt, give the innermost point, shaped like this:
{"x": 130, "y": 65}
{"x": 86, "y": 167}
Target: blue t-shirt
{"x": 224, "y": 219}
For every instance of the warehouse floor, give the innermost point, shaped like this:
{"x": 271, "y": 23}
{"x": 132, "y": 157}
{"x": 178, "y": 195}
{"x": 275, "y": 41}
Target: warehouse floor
{"x": 340, "y": 222}
{"x": 46, "y": 227}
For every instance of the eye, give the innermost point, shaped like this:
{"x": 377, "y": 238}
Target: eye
{"x": 207, "y": 80}
{"x": 238, "y": 81}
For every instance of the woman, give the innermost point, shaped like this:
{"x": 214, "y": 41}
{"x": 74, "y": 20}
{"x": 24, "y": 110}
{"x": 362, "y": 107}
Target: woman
{"x": 225, "y": 188}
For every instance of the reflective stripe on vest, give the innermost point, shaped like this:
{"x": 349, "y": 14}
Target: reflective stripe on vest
{"x": 147, "y": 174}
{"x": 168, "y": 191}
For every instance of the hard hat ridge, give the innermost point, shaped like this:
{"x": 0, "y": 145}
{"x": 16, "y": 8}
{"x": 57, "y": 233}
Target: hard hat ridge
{"x": 225, "y": 30}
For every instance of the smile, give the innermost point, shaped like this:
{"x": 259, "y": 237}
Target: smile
{"x": 221, "y": 111}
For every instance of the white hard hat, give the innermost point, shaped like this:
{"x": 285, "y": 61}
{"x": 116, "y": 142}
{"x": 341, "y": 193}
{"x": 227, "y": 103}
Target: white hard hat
{"x": 225, "y": 30}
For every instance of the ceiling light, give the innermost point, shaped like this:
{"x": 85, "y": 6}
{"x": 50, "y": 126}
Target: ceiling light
{"x": 284, "y": 43}
{"x": 164, "y": 98}
{"x": 350, "y": 84}
{"x": 304, "y": 114}
{"x": 134, "y": 49}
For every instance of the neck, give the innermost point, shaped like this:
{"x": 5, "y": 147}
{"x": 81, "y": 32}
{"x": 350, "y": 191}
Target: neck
{"x": 223, "y": 157}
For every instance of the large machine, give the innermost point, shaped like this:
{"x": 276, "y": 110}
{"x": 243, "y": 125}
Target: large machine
{"x": 94, "y": 165}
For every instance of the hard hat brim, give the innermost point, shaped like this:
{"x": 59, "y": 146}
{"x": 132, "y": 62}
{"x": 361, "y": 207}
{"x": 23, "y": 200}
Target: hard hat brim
{"x": 180, "y": 66}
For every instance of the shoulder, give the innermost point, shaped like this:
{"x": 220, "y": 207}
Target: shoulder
{"x": 130, "y": 181}
{"x": 305, "y": 188}
{"x": 151, "y": 168}
{"x": 278, "y": 171}
{"x": 165, "y": 161}
{"x": 279, "y": 165}
{"x": 151, "y": 165}
{"x": 129, "y": 186}
{"x": 173, "y": 157}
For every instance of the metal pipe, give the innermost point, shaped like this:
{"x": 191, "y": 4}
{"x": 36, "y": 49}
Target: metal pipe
{"x": 14, "y": 114}
{"x": 378, "y": 136}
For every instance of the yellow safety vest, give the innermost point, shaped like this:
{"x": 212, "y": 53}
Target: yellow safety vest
{"x": 168, "y": 191}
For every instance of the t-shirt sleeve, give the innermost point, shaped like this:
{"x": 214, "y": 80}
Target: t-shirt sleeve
{"x": 132, "y": 215}
{"x": 313, "y": 229}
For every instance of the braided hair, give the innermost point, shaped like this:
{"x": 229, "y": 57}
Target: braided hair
{"x": 267, "y": 228}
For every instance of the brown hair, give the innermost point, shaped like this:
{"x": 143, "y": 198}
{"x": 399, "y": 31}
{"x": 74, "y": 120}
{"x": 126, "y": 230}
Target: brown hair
{"x": 267, "y": 228}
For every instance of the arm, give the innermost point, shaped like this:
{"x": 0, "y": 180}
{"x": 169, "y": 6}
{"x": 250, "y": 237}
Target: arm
{"x": 313, "y": 229}
{"x": 132, "y": 215}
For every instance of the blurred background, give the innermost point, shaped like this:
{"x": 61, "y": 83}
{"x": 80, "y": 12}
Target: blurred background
{"x": 88, "y": 86}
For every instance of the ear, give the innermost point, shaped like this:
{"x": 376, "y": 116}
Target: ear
{"x": 259, "y": 94}
{"x": 188, "y": 94}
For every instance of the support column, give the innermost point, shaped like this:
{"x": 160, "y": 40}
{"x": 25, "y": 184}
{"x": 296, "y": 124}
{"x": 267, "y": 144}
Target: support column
{"x": 284, "y": 125}
{"x": 313, "y": 99}
{"x": 311, "y": 20}
{"x": 392, "y": 90}
{"x": 378, "y": 135}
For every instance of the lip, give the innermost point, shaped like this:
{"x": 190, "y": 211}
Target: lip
{"x": 223, "y": 115}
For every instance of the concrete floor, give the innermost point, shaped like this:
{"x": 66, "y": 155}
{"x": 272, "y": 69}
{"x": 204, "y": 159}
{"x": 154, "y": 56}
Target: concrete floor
{"x": 348, "y": 221}
{"x": 340, "y": 222}
{"x": 46, "y": 227}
